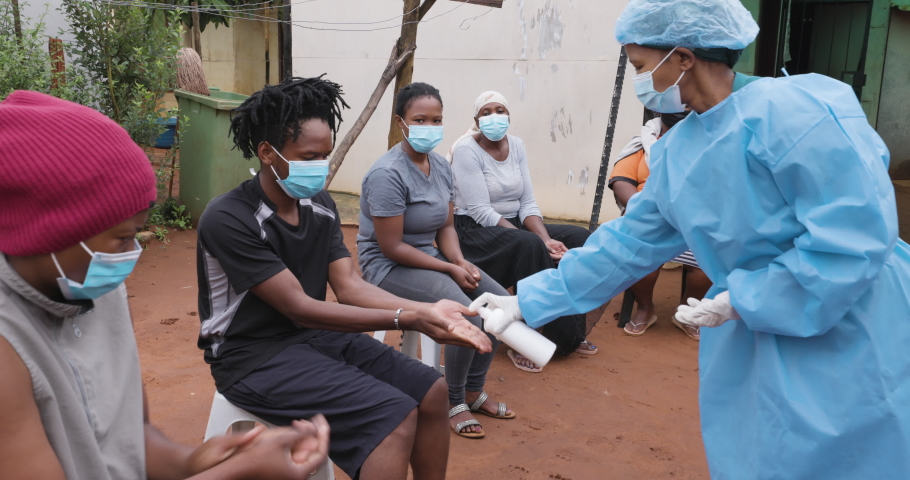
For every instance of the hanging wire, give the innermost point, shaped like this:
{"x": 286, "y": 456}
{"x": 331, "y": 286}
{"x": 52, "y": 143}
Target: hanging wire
{"x": 462, "y": 27}
{"x": 260, "y": 18}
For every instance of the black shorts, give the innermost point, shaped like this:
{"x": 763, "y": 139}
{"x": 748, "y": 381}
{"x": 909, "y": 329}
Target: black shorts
{"x": 364, "y": 388}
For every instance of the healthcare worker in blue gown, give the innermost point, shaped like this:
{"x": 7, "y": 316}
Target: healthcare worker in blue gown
{"x": 780, "y": 188}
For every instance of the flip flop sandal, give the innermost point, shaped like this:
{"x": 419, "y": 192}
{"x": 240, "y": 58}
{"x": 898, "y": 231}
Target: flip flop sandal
{"x": 501, "y": 408}
{"x": 467, "y": 423}
{"x": 584, "y": 350}
{"x": 521, "y": 367}
{"x": 684, "y": 328}
{"x": 633, "y": 324}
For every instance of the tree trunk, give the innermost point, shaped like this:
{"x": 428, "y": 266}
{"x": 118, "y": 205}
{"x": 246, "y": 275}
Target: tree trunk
{"x": 17, "y": 21}
{"x": 197, "y": 34}
{"x": 408, "y": 36}
{"x": 396, "y": 61}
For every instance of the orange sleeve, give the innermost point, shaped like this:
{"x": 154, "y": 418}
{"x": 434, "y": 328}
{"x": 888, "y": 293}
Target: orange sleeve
{"x": 627, "y": 169}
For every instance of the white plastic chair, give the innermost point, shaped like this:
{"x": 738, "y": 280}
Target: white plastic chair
{"x": 226, "y": 415}
{"x": 432, "y": 351}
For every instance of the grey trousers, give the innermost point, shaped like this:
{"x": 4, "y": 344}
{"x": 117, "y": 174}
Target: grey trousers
{"x": 465, "y": 367}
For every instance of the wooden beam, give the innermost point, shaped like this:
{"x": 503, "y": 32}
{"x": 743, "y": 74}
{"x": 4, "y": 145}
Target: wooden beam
{"x": 396, "y": 61}
{"x": 424, "y": 8}
{"x": 197, "y": 36}
{"x": 406, "y": 72}
{"x": 485, "y": 3}
{"x": 287, "y": 60}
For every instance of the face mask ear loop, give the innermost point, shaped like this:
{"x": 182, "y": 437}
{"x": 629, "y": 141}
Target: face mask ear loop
{"x": 678, "y": 79}
{"x": 273, "y": 167}
{"x": 60, "y": 270}
{"x": 275, "y": 173}
{"x": 664, "y": 60}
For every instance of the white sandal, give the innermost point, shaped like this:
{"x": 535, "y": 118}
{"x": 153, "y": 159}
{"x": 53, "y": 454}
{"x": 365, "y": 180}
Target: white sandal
{"x": 467, "y": 423}
{"x": 630, "y": 333}
{"x": 501, "y": 409}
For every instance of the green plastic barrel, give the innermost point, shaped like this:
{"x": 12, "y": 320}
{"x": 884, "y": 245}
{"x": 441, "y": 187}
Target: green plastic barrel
{"x": 208, "y": 166}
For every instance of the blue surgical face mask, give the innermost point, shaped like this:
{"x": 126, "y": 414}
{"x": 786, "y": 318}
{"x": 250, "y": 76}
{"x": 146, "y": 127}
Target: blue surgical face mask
{"x": 494, "y": 126}
{"x": 305, "y": 178}
{"x": 668, "y": 101}
{"x": 105, "y": 273}
{"x": 424, "y": 138}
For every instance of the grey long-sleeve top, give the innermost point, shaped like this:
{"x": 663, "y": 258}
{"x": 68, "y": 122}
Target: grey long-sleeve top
{"x": 487, "y": 189}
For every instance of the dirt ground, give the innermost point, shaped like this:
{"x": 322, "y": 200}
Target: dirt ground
{"x": 628, "y": 412}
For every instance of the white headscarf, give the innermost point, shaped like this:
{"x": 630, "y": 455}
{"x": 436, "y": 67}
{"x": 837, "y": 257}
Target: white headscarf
{"x": 650, "y": 132}
{"x": 483, "y": 100}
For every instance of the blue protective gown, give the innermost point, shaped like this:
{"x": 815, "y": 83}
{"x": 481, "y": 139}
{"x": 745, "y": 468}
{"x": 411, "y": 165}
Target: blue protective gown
{"x": 782, "y": 193}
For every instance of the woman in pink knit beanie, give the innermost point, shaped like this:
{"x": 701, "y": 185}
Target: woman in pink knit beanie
{"x": 74, "y": 191}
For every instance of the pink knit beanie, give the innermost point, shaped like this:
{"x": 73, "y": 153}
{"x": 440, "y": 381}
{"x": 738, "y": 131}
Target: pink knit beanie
{"x": 67, "y": 173}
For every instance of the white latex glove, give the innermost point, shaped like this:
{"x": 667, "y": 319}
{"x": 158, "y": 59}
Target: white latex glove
{"x": 508, "y": 305}
{"x": 707, "y": 312}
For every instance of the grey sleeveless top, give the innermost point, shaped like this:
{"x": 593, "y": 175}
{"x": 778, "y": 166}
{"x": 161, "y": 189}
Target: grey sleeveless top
{"x": 84, "y": 368}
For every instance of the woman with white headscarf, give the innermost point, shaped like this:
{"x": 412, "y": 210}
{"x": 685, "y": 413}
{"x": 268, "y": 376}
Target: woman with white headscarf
{"x": 499, "y": 225}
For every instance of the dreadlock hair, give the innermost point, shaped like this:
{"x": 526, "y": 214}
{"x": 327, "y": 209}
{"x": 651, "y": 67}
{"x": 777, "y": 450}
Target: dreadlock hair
{"x": 412, "y": 92}
{"x": 274, "y": 114}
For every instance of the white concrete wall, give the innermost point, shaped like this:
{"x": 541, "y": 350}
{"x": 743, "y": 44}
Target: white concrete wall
{"x": 48, "y": 11}
{"x": 555, "y": 60}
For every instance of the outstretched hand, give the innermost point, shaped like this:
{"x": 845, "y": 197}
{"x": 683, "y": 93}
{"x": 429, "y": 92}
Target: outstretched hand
{"x": 444, "y": 322}
{"x": 556, "y": 249}
{"x": 293, "y": 452}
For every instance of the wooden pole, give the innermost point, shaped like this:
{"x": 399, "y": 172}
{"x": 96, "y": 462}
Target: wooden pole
{"x": 406, "y": 73}
{"x": 268, "y": 43}
{"x": 395, "y": 63}
{"x": 287, "y": 60}
{"x": 197, "y": 33}
{"x": 58, "y": 62}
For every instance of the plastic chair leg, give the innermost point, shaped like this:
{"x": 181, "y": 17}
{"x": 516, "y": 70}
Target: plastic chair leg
{"x": 625, "y": 314}
{"x": 430, "y": 352}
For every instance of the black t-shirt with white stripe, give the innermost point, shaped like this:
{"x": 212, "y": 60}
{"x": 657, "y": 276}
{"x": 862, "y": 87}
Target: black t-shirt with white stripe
{"x": 241, "y": 243}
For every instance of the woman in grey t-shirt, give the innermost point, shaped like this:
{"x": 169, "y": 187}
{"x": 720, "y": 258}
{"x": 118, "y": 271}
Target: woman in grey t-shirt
{"x": 406, "y": 204}
{"x": 499, "y": 225}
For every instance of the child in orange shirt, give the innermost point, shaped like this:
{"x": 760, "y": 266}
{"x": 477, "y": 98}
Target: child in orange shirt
{"x": 629, "y": 175}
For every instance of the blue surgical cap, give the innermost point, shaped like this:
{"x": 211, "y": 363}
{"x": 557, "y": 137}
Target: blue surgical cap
{"x": 687, "y": 23}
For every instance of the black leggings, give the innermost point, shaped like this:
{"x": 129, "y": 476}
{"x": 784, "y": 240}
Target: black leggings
{"x": 512, "y": 254}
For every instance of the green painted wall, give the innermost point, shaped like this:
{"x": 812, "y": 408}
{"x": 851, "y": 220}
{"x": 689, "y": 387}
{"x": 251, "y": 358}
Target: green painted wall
{"x": 875, "y": 59}
{"x": 746, "y": 62}
{"x": 837, "y": 45}
{"x": 894, "y": 113}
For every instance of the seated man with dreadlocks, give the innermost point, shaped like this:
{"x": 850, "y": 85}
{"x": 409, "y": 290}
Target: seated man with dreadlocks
{"x": 280, "y": 351}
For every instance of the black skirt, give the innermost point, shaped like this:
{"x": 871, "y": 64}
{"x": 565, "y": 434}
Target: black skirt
{"x": 511, "y": 254}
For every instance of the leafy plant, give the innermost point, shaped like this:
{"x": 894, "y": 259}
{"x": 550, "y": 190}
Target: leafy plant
{"x": 25, "y": 63}
{"x": 170, "y": 214}
{"x": 133, "y": 64}
{"x": 130, "y": 64}
{"x": 217, "y": 12}
{"x": 161, "y": 234}
{"x": 167, "y": 210}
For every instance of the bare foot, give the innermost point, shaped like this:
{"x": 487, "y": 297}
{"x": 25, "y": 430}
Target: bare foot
{"x": 489, "y": 406}
{"x": 463, "y": 417}
{"x": 692, "y": 332}
{"x": 638, "y": 323}
{"x": 586, "y": 348}
{"x": 524, "y": 363}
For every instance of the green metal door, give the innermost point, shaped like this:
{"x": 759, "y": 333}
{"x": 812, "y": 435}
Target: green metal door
{"x": 827, "y": 37}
